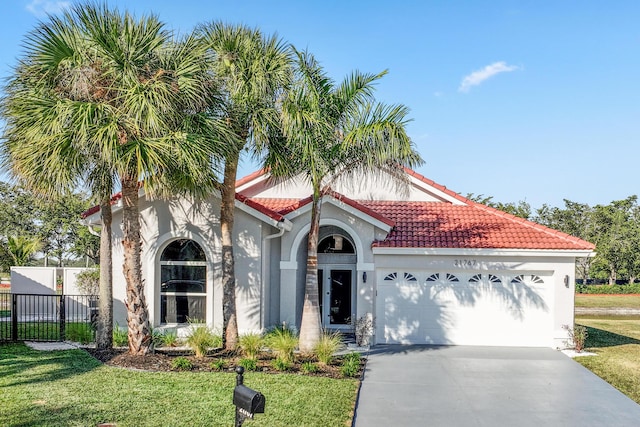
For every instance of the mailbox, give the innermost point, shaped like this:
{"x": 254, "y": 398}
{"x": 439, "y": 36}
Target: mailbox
{"x": 248, "y": 400}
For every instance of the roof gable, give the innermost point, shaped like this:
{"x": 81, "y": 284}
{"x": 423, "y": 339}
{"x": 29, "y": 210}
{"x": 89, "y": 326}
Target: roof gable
{"x": 374, "y": 186}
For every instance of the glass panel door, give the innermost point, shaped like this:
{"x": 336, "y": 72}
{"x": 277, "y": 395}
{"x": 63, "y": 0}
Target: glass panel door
{"x": 340, "y": 297}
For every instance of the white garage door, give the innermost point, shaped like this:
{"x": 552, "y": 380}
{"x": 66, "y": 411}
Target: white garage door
{"x": 472, "y": 309}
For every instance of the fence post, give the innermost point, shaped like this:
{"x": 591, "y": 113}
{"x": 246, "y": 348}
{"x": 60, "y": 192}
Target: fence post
{"x": 14, "y": 317}
{"x": 63, "y": 316}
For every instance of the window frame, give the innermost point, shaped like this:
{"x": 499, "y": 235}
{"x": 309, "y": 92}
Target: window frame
{"x": 162, "y": 263}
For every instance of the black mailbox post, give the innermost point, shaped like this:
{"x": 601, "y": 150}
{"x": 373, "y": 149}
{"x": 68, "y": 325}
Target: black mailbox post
{"x": 248, "y": 402}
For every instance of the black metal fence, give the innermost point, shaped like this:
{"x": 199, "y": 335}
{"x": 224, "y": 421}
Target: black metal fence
{"x": 31, "y": 317}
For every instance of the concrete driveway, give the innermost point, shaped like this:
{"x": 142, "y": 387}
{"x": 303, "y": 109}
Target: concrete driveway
{"x": 486, "y": 386}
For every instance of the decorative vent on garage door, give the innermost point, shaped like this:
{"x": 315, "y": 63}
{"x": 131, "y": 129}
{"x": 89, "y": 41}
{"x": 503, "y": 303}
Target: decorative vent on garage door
{"x": 448, "y": 277}
{"x": 490, "y": 278}
{"x": 391, "y": 276}
{"x": 408, "y": 277}
{"x": 523, "y": 279}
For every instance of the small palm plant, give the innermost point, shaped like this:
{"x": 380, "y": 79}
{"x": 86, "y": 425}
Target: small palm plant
{"x": 282, "y": 341}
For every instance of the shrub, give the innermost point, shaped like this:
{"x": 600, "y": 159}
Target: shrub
{"x": 249, "y": 364}
{"x": 200, "y": 339}
{"x": 79, "y": 332}
{"x": 608, "y": 289}
{"x": 88, "y": 281}
{"x": 327, "y": 346}
{"x": 281, "y": 365}
{"x": 350, "y": 365}
{"x": 120, "y": 336}
{"x": 282, "y": 341}
{"x": 363, "y": 328}
{"x": 251, "y": 344}
{"x": 156, "y": 337}
{"x": 219, "y": 365}
{"x": 181, "y": 364}
{"x": 170, "y": 339}
{"x": 577, "y": 337}
{"x": 309, "y": 368}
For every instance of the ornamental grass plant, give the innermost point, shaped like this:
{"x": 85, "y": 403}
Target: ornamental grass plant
{"x": 328, "y": 345}
{"x": 283, "y": 342}
{"x": 251, "y": 345}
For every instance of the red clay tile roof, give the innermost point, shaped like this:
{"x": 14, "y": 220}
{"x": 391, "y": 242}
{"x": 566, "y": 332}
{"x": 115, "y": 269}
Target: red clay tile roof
{"x": 474, "y": 226}
{"x": 271, "y": 213}
{"x": 285, "y": 206}
{"x": 259, "y": 207}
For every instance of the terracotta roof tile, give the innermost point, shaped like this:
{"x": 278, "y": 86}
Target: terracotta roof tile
{"x": 474, "y": 226}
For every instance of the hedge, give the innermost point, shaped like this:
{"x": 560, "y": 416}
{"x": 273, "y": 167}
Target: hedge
{"x": 608, "y": 289}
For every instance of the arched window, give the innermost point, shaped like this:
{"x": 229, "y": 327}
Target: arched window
{"x": 335, "y": 244}
{"x": 183, "y": 282}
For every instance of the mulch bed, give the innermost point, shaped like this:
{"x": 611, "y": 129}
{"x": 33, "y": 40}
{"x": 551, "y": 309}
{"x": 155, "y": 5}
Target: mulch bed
{"x": 161, "y": 361}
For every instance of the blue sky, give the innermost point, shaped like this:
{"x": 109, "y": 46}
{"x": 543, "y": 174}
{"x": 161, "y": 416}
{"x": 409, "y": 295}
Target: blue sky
{"x": 519, "y": 100}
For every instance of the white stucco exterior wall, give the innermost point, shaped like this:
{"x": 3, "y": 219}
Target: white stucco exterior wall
{"x": 165, "y": 221}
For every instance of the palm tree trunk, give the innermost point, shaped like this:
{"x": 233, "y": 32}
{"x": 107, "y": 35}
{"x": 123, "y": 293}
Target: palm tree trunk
{"x": 227, "y": 207}
{"x": 104, "y": 335}
{"x": 137, "y": 313}
{"x": 311, "y": 326}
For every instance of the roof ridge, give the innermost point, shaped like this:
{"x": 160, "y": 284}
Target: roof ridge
{"x": 253, "y": 175}
{"x": 440, "y": 187}
{"x": 355, "y": 204}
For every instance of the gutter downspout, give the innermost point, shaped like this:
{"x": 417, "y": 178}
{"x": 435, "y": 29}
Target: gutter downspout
{"x": 263, "y": 268}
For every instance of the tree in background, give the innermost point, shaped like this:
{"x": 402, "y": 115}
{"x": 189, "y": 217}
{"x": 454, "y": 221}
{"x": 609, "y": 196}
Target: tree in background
{"x": 60, "y": 225}
{"x": 617, "y": 228}
{"x": 335, "y": 132}
{"x": 54, "y": 224}
{"x": 254, "y": 71}
{"x": 576, "y": 219}
{"x": 18, "y": 212}
{"x": 521, "y": 209}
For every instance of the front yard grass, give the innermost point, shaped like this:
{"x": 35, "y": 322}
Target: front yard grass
{"x": 617, "y": 343}
{"x": 607, "y": 301}
{"x": 73, "y": 389}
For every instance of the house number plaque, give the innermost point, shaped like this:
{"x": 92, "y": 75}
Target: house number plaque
{"x": 466, "y": 263}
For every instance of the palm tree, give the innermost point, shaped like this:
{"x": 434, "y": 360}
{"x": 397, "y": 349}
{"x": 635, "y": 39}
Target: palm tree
{"x": 114, "y": 100}
{"x": 335, "y": 132}
{"x": 21, "y": 249}
{"x": 254, "y": 70}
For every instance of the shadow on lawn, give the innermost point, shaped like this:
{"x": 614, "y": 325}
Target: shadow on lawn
{"x": 599, "y": 338}
{"x": 27, "y": 366}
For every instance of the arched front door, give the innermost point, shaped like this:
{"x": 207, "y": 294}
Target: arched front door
{"x": 336, "y": 278}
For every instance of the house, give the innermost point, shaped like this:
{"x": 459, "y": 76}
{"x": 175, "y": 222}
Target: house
{"x": 428, "y": 265}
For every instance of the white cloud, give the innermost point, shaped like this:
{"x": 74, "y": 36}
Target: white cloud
{"x": 479, "y": 76}
{"x": 42, "y": 8}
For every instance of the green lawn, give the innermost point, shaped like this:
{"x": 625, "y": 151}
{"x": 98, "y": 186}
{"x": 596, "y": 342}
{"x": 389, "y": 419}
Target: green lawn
{"x": 617, "y": 343}
{"x": 70, "y": 388}
{"x": 608, "y": 301}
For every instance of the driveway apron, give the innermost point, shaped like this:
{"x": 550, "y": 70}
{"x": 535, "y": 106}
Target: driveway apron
{"x": 486, "y": 386}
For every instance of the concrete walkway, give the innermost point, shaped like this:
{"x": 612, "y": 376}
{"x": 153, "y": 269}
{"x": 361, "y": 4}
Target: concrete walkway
{"x": 486, "y": 386}
{"x": 50, "y": 346}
